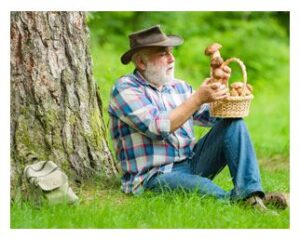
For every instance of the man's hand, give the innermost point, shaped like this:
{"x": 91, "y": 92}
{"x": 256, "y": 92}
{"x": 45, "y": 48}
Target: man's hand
{"x": 214, "y": 88}
{"x": 210, "y": 92}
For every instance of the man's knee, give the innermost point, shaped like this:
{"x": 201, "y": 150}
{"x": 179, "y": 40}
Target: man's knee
{"x": 231, "y": 126}
{"x": 233, "y": 122}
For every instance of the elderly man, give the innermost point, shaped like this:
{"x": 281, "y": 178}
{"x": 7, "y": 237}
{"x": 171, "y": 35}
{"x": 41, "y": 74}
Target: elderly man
{"x": 152, "y": 118}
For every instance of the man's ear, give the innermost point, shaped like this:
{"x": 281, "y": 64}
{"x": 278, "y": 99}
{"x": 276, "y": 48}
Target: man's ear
{"x": 140, "y": 63}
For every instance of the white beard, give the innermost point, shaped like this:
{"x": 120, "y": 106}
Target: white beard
{"x": 158, "y": 75}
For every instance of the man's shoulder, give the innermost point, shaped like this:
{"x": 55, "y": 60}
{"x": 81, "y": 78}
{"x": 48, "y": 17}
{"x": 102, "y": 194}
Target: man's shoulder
{"x": 126, "y": 81}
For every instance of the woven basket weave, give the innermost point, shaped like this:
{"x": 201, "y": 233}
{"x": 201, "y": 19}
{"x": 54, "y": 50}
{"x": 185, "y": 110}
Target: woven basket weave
{"x": 233, "y": 106}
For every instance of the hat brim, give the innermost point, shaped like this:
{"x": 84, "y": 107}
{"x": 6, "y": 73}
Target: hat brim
{"x": 171, "y": 41}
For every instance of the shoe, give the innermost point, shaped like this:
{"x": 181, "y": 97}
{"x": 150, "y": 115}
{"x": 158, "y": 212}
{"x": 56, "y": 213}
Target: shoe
{"x": 278, "y": 200}
{"x": 257, "y": 203}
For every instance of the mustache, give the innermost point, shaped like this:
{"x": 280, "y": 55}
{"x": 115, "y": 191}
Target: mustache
{"x": 171, "y": 66}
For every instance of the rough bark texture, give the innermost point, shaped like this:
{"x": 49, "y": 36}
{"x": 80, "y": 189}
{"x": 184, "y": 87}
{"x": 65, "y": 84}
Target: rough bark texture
{"x": 55, "y": 104}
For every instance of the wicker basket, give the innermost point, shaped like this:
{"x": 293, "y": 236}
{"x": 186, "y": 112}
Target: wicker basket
{"x": 233, "y": 106}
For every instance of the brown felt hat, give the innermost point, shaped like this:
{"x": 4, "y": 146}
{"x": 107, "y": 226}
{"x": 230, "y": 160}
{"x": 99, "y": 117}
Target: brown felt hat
{"x": 149, "y": 37}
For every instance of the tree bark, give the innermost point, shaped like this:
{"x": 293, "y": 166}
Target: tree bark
{"x": 55, "y": 103}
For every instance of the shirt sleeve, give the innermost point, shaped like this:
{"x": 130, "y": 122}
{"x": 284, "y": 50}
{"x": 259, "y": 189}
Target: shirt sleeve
{"x": 130, "y": 104}
{"x": 202, "y": 117}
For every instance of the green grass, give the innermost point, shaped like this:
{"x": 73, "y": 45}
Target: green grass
{"x": 106, "y": 207}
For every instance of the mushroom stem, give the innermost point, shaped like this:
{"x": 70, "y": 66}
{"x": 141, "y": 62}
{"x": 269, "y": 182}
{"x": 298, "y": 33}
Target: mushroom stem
{"x": 215, "y": 54}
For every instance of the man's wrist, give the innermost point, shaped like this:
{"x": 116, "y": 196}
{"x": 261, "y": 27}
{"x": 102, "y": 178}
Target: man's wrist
{"x": 197, "y": 100}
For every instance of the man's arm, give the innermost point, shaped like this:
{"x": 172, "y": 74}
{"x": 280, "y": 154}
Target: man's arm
{"x": 129, "y": 104}
{"x": 204, "y": 94}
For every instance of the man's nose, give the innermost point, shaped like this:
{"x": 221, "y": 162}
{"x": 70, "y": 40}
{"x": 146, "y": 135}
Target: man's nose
{"x": 171, "y": 58}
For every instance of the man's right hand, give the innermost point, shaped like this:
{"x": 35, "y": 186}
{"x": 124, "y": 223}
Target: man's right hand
{"x": 210, "y": 92}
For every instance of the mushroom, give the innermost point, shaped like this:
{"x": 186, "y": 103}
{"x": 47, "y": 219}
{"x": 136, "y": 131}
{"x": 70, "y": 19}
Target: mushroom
{"x": 237, "y": 85}
{"x": 215, "y": 56}
{"x": 213, "y": 50}
{"x": 234, "y": 93}
{"x": 216, "y": 62}
{"x": 239, "y": 88}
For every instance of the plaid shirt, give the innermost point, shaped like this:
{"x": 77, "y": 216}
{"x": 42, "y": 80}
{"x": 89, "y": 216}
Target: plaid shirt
{"x": 140, "y": 128}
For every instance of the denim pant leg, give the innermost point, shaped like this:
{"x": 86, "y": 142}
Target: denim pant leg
{"x": 181, "y": 178}
{"x": 229, "y": 143}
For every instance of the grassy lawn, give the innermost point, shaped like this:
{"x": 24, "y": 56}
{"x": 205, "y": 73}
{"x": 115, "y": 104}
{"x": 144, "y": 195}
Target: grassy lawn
{"x": 104, "y": 206}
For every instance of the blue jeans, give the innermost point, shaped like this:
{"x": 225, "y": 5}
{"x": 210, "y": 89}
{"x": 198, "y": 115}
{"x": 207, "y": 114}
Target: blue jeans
{"x": 227, "y": 143}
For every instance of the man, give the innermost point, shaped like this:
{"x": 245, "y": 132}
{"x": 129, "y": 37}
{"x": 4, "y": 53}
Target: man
{"x": 152, "y": 115}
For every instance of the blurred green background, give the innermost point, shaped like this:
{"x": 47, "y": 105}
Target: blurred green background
{"x": 259, "y": 39}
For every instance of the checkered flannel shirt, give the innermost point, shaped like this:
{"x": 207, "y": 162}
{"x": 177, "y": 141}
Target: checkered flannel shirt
{"x": 140, "y": 128}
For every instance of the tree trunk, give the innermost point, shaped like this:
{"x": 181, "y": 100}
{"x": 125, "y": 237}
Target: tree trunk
{"x": 55, "y": 104}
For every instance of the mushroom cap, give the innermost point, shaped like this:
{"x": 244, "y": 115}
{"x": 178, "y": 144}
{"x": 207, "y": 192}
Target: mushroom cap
{"x": 233, "y": 92}
{"x": 237, "y": 85}
{"x": 212, "y": 48}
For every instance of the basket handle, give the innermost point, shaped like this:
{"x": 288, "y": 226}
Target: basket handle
{"x": 243, "y": 68}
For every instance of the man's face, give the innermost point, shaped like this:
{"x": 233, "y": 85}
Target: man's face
{"x": 159, "y": 65}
